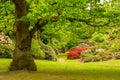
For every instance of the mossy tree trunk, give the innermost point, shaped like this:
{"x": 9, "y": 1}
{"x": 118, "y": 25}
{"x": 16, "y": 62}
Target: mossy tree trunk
{"x": 22, "y": 59}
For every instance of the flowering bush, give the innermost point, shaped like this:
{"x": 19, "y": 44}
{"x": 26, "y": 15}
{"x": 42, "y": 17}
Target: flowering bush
{"x": 5, "y": 51}
{"x": 74, "y": 53}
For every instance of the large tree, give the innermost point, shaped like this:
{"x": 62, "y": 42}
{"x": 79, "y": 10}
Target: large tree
{"x": 22, "y": 58}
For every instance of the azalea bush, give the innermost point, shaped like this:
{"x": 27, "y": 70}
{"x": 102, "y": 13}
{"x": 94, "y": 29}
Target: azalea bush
{"x": 6, "y": 51}
{"x": 74, "y": 53}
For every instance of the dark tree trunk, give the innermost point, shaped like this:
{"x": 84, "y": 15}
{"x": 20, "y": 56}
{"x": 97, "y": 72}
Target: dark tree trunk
{"x": 22, "y": 58}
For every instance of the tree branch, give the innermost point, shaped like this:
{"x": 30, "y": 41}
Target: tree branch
{"x": 41, "y": 23}
{"x": 21, "y": 8}
{"x": 88, "y": 22}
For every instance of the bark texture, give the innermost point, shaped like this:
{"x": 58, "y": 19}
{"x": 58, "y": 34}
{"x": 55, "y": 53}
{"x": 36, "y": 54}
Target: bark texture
{"x": 22, "y": 59}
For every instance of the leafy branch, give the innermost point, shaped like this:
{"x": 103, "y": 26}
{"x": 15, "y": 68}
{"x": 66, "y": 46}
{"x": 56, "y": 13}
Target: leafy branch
{"x": 41, "y": 23}
{"x": 88, "y": 22}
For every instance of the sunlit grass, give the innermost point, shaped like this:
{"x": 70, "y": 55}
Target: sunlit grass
{"x": 67, "y": 70}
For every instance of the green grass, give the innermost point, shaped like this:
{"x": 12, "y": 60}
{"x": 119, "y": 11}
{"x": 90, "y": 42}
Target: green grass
{"x": 68, "y": 70}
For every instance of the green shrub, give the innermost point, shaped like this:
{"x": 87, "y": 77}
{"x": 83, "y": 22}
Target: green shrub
{"x": 104, "y": 58}
{"x": 87, "y": 55}
{"x": 96, "y": 58}
{"x": 90, "y": 58}
{"x": 109, "y": 57}
{"x": 5, "y": 51}
{"x": 36, "y": 51}
{"x": 98, "y": 37}
{"x": 87, "y": 59}
{"x": 85, "y": 35}
{"x": 115, "y": 47}
{"x": 104, "y": 55}
{"x": 117, "y": 55}
{"x": 50, "y": 54}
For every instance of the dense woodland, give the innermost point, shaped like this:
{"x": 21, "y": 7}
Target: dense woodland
{"x": 43, "y": 29}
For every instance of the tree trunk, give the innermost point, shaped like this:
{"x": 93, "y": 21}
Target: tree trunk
{"x": 22, "y": 59}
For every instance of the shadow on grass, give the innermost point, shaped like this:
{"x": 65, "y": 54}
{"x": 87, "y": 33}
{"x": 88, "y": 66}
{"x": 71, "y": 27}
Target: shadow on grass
{"x": 82, "y": 74}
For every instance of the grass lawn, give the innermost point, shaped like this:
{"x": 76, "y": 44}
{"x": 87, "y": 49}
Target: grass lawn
{"x": 68, "y": 70}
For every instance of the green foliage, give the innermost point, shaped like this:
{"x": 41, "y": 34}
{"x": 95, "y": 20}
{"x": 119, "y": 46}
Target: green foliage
{"x": 57, "y": 35}
{"x": 98, "y": 37}
{"x": 116, "y": 55}
{"x": 87, "y": 55}
{"x": 115, "y": 47}
{"x": 36, "y": 50}
{"x": 6, "y": 16}
{"x": 5, "y": 52}
{"x": 49, "y": 52}
{"x": 45, "y": 9}
{"x": 87, "y": 59}
{"x": 104, "y": 55}
{"x": 96, "y": 58}
{"x": 73, "y": 41}
{"x": 85, "y": 35}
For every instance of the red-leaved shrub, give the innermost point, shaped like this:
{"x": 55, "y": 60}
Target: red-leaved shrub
{"x": 74, "y": 53}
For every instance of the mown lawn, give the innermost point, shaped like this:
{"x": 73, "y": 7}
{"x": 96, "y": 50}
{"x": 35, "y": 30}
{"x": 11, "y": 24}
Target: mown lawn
{"x": 68, "y": 70}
